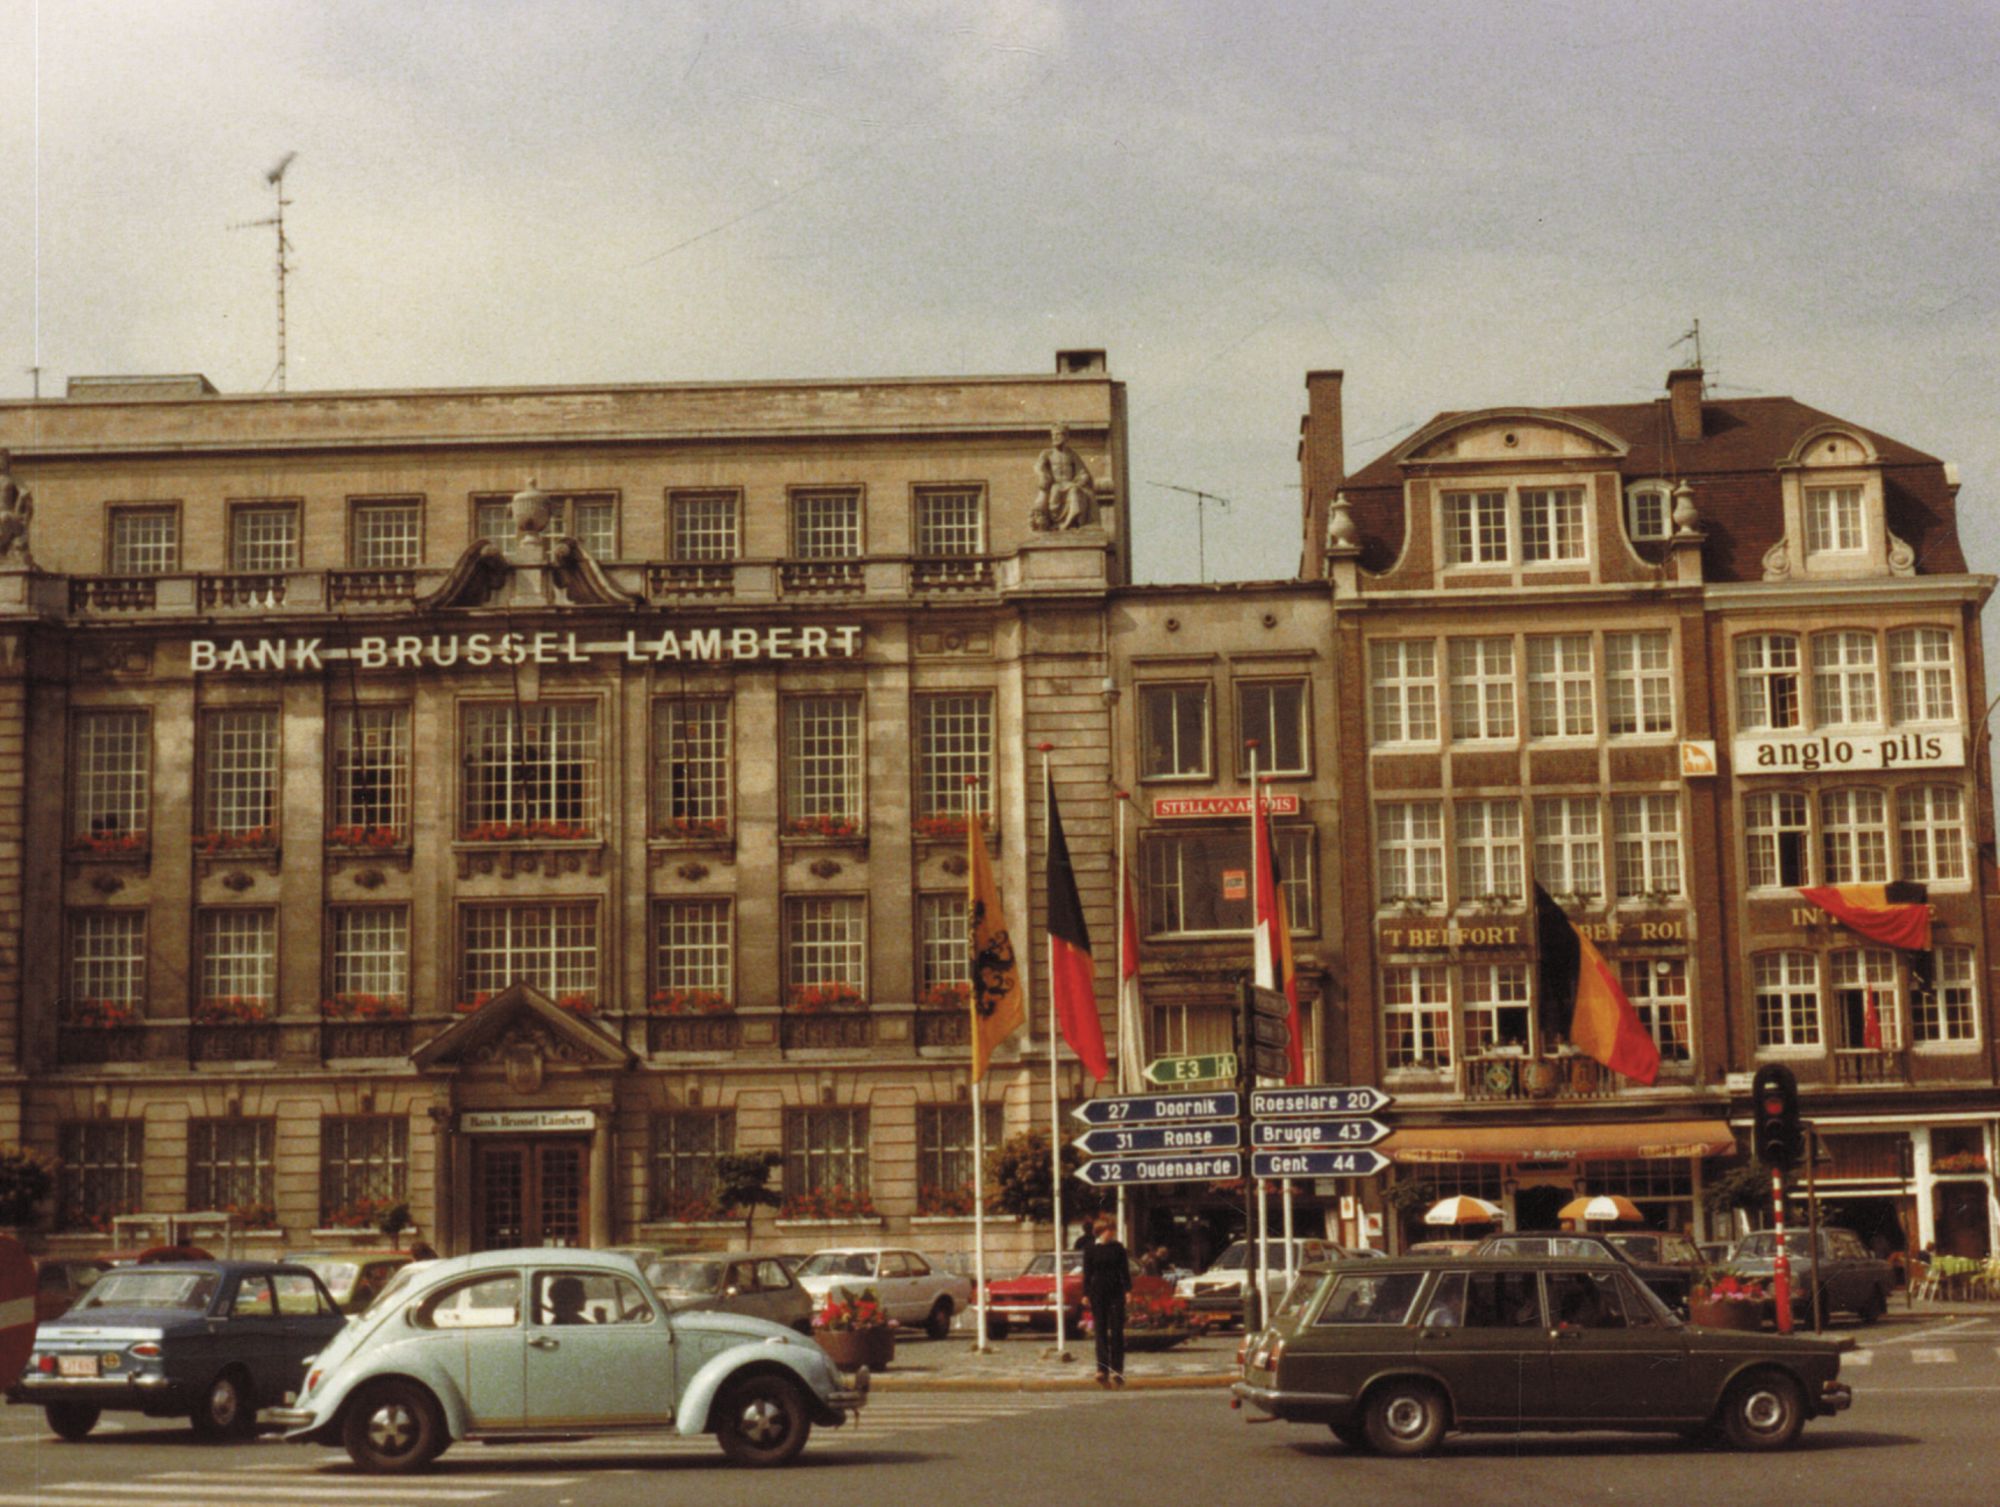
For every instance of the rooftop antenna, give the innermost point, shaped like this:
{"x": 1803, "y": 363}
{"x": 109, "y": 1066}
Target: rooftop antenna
{"x": 1691, "y": 335}
{"x": 276, "y": 178}
{"x": 1201, "y": 501}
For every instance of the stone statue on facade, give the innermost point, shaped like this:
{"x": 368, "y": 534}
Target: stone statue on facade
{"x": 17, "y": 510}
{"x": 1066, "y": 490}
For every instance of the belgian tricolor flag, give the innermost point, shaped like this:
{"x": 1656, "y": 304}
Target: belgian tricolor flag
{"x": 1896, "y": 915}
{"x": 1578, "y": 997}
{"x": 1072, "y": 972}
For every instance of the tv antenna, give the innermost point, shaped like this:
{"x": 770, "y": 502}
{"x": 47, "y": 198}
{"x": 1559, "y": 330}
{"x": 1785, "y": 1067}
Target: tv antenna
{"x": 1201, "y": 501}
{"x": 1692, "y": 336}
{"x": 276, "y": 178}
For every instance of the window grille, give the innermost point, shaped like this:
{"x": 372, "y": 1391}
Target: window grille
{"x": 1552, "y": 526}
{"x": 950, "y": 521}
{"x": 531, "y": 765}
{"x": 1950, "y": 1011}
{"x": 826, "y": 943}
{"x": 239, "y": 959}
{"x": 1475, "y": 528}
{"x": 1495, "y": 1006}
{"x": 1833, "y": 520}
{"x": 945, "y": 1166}
{"x": 229, "y": 1164}
{"x": 686, "y": 1143}
{"x": 371, "y": 773}
{"x": 1767, "y": 682}
{"x": 386, "y": 535}
{"x": 240, "y": 773}
{"x": 703, "y": 526}
{"x": 691, "y": 767}
{"x": 1416, "y": 1017}
{"x": 1489, "y": 849}
{"x": 1854, "y": 836}
{"x": 107, "y": 966}
{"x": 826, "y": 525}
{"x": 111, "y": 776}
{"x": 1481, "y": 671}
{"x": 1787, "y": 999}
{"x": 694, "y": 950}
{"x": 1569, "y": 845}
{"x": 1639, "y": 683}
{"x": 364, "y": 1160}
{"x": 1921, "y": 684}
{"x": 1776, "y": 826}
{"x": 945, "y": 965}
{"x": 101, "y": 1174}
{"x": 371, "y": 953}
{"x": 552, "y": 947}
{"x": 1658, "y": 990}
{"x": 1561, "y": 688}
{"x": 1403, "y": 690}
{"x": 144, "y": 542}
{"x": 264, "y": 538}
{"x": 1410, "y": 850}
{"x": 823, "y": 762}
{"x": 1844, "y": 680}
{"x": 826, "y": 1151}
{"x": 1646, "y": 836}
{"x": 954, "y": 742}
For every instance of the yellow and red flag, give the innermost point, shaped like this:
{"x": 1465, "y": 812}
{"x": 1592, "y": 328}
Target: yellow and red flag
{"x": 1579, "y": 997}
{"x": 997, "y": 1010}
{"x": 1896, "y": 915}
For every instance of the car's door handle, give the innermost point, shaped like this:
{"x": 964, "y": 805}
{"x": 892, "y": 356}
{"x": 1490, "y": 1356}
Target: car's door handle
{"x": 543, "y": 1342}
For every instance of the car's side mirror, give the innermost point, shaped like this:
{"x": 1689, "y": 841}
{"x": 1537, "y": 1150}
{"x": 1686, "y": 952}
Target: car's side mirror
{"x": 730, "y": 1292}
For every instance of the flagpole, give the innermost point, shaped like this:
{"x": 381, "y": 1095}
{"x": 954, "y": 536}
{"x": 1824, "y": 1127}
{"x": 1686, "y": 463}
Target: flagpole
{"x": 1125, "y": 1045}
{"x": 1260, "y": 975}
{"x": 1055, "y": 1090}
{"x": 978, "y": 1087}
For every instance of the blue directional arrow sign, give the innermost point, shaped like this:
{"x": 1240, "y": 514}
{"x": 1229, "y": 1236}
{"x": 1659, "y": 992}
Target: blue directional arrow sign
{"x": 1213, "y": 1167}
{"x": 1139, "y": 1108}
{"x": 1128, "y": 1140}
{"x": 1271, "y": 1134}
{"x": 1317, "y": 1101}
{"x": 1269, "y": 1164}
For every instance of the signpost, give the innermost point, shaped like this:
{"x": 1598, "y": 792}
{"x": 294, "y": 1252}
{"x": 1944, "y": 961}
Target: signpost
{"x": 1267, "y": 1030}
{"x": 17, "y": 1305}
{"x": 1267, "y": 1102}
{"x": 1129, "y": 1140}
{"x": 1266, "y": 1134}
{"x": 1273, "y": 1164}
{"x": 1132, "y": 1108}
{"x": 1215, "y": 1167}
{"x": 1165, "y": 1070}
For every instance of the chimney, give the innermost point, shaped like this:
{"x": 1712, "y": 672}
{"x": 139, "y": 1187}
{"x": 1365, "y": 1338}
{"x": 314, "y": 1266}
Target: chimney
{"x": 1684, "y": 401}
{"x": 1322, "y": 461}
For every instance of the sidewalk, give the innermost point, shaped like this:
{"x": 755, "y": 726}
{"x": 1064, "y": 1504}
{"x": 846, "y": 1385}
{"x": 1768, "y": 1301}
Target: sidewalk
{"x": 1023, "y": 1363}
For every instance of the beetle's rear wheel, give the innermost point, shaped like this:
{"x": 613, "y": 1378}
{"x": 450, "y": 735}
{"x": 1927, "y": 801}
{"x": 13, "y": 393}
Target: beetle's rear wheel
{"x": 393, "y": 1427}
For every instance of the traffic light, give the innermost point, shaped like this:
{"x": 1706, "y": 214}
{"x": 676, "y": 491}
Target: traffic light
{"x": 1774, "y": 1103}
{"x": 1267, "y": 1032}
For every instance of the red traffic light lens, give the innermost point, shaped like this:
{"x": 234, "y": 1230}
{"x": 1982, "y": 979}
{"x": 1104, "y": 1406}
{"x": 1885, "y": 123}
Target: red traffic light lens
{"x": 1774, "y": 1106}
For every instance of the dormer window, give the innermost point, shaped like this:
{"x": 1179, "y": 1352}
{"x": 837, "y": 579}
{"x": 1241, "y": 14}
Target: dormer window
{"x": 1552, "y": 526}
{"x": 1539, "y": 525}
{"x": 1475, "y": 528}
{"x": 1833, "y": 521}
{"x": 1649, "y": 512}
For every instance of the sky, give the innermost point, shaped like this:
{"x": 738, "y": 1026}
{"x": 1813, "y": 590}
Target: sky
{"x": 1458, "y": 204}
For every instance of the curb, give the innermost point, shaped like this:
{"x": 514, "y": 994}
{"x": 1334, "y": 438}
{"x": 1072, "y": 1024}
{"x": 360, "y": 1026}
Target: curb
{"x": 1196, "y": 1381}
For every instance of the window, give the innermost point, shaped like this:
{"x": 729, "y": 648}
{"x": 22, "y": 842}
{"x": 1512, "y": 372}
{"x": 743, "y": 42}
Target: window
{"x": 1950, "y": 1011}
{"x": 1833, "y": 520}
{"x": 1854, "y": 837}
{"x": 1475, "y": 528}
{"x": 239, "y": 964}
{"x": 1402, "y": 680}
{"x": 107, "y": 968}
{"x": 694, "y": 952}
{"x": 944, "y": 967}
{"x": 229, "y": 1168}
{"x": 1569, "y": 852}
{"x": 1489, "y": 849}
{"x": 386, "y": 534}
{"x": 144, "y": 542}
{"x": 371, "y": 959}
{"x": 686, "y": 1143}
{"x": 1775, "y": 826}
{"x": 1767, "y": 682}
{"x": 1921, "y": 687}
{"x": 1787, "y": 1004}
{"x": 371, "y": 775}
{"x": 264, "y": 537}
{"x": 1638, "y": 683}
{"x": 702, "y": 526}
{"x": 1552, "y": 526}
{"x": 1481, "y": 671}
{"x": 1494, "y": 1003}
{"x": 1861, "y": 976}
{"x": 1649, "y": 511}
{"x": 826, "y": 941}
{"x": 826, "y": 1152}
{"x": 1409, "y": 846}
{"x": 1274, "y": 713}
{"x": 480, "y": 1303}
{"x": 552, "y": 947}
{"x": 530, "y": 771}
{"x": 691, "y": 768}
{"x": 1560, "y": 690}
{"x": 954, "y": 745}
{"x": 1359, "y": 1299}
{"x": 239, "y": 790}
{"x": 1173, "y": 721}
{"x": 1646, "y": 844}
{"x": 1930, "y": 833}
{"x": 951, "y": 521}
{"x": 101, "y": 1172}
{"x": 1198, "y": 881}
{"x": 1416, "y": 1017}
{"x": 364, "y": 1163}
{"x": 945, "y": 1167}
{"x": 1658, "y": 990}
{"x": 1844, "y": 680}
{"x": 110, "y": 779}
{"x": 591, "y": 518}
{"x": 823, "y": 765}
{"x": 826, "y": 525}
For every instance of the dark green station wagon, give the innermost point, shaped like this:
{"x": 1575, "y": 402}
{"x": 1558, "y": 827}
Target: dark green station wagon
{"x": 1391, "y": 1355}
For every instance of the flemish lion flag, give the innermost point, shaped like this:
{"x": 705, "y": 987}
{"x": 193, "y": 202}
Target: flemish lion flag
{"x": 997, "y": 1011}
{"x": 1072, "y": 973}
{"x": 1896, "y": 915}
{"x": 1578, "y": 996}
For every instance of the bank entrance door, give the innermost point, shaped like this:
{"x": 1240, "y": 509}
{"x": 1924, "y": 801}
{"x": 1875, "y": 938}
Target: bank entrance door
{"x": 532, "y": 1192}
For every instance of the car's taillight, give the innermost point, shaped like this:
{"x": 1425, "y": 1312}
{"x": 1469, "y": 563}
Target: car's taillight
{"x": 1267, "y": 1355}
{"x": 1242, "y": 1352}
{"x": 46, "y": 1364}
{"x": 147, "y": 1350}
{"x": 312, "y": 1380}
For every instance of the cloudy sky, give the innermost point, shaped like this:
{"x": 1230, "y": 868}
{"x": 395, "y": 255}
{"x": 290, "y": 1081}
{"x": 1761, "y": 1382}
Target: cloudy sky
{"x": 1459, "y": 204}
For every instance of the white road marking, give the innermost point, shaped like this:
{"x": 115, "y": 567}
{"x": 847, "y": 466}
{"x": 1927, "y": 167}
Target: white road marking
{"x": 352, "y": 1488}
{"x": 262, "y": 1492}
{"x": 1940, "y": 1356}
{"x": 1922, "y": 1335}
{"x": 1857, "y": 1358}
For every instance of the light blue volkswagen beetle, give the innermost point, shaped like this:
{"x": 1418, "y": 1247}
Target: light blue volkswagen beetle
{"x": 536, "y": 1343}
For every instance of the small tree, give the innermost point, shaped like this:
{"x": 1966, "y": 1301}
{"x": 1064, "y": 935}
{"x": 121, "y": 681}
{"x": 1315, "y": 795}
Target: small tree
{"x": 1747, "y": 1187}
{"x": 393, "y": 1221}
{"x": 743, "y": 1181}
{"x": 1020, "y": 1180}
{"x": 26, "y": 1178}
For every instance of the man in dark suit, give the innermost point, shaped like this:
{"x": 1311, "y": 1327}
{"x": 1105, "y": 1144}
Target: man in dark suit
{"x": 1107, "y": 1277}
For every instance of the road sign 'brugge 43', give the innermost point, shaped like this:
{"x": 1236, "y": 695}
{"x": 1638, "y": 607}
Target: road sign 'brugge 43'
{"x": 1265, "y": 1102}
{"x": 1270, "y": 1134}
{"x": 1269, "y": 1164}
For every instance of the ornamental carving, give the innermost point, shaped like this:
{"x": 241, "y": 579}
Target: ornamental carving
{"x": 520, "y": 1041}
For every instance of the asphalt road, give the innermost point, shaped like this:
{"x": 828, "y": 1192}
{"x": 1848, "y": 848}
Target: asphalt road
{"x": 1923, "y": 1430}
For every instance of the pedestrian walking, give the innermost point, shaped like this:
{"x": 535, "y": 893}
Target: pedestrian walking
{"x": 1107, "y": 1277}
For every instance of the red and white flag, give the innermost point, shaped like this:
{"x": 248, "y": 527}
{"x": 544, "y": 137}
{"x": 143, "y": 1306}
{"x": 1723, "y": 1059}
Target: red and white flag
{"x": 1273, "y": 962}
{"x": 1131, "y": 1017}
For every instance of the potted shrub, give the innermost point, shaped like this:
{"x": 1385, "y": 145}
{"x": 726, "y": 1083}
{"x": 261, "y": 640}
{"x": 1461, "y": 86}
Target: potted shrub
{"x": 26, "y": 1178}
{"x": 855, "y": 1330}
{"x": 1729, "y": 1302}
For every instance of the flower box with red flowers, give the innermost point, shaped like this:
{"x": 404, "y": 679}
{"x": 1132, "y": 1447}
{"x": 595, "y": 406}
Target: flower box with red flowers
{"x": 947, "y": 996}
{"x": 855, "y": 1330}
{"x": 829, "y": 1205}
{"x": 692, "y": 828}
{"x": 358, "y": 1214}
{"x": 690, "y": 1002}
{"x": 944, "y": 1203}
{"x": 1959, "y": 1162}
{"x": 370, "y": 839}
{"x": 822, "y": 826}
{"x": 108, "y": 844}
{"x": 577, "y": 1004}
{"x": 817, "y": 999}
{"x": 232, "y": 1010}
{"x": 467, "y": 1006}
{"x": 256, "y": 1214}
{"x": 101, "y": 1014}
{"x": 533, "y": 831}
{"x": 1729, "y": 1302}
{"x": 941, "y": 828}
{"x": 687, "y": 1208}
{"x": 250, "y": 839}
{"x": 365, "y": 1007}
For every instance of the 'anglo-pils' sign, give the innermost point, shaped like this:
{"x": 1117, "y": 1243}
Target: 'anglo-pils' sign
{"x": 1802, "y": 754}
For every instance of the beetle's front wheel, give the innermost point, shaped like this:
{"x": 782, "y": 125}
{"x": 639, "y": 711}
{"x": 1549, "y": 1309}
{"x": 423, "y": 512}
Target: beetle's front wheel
{"x": 762, "y": 1421}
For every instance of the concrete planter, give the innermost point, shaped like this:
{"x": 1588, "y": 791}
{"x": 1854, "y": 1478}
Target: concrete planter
{"x": 851, "y": 1349}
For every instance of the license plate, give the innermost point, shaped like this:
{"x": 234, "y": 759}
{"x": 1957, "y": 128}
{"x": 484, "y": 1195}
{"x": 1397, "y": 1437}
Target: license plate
{"x": 76, "y": 1365}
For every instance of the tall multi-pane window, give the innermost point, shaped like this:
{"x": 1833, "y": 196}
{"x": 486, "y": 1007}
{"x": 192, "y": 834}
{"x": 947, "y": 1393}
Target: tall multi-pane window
{"x": 945, "y": 1167}
{"x": 1646, "y": 844}
{"x": 1658, "y": 990}
{"x": 591, "y": 518}
{"x": 1649, "y": 511}
{"x": 1950, "y": 1011}
{"x": 144, "y": 542}
{"x": 264, "y": 536}
{"x": 230, "y": 1167}
{"x": 1638, "y": 684}
{"x": 1569, "y": 845}
{"x": 1409, "y": 847}
{"x": 1416, "y": 1017}
{"x": 530, "y": 770}
{"x": 826, "y": 525}
{"x": 1777, "y": 836}
{"x": 951, "y": 521}
{"x": 239, "y": 775}
{"x": 385, "y": 534}
{"x": 1561, "y": 688}
{"x": 1274, "y": 713}
{"x": 1767, "y": 682}
{"x": 1787, "y": 999}
{"x": 102, "y": 1171}
{"x": 823, "y": 765}
{"x": 1481, "y": 672}
{"x": 1833, "y": 520}
{"x": 1921, "y": 686}
{"x": 1173, "y": 728}
{"x": 944, "y": 968}
{"x": 1493, "y": 1001}
{"x": 370, "y": 959}
{"x": 686, "y": 1143}
{"x": 826, "y": 1152}
{"x": 239, "y": 964}
{"x": 107, "y": 968}
{"x": 1475, "y": 528}
{"x": 1854, "y": 836}
{"x": 1489, "y": 849}
{"x": 694, "y": 956}
{"x": 1865, "y": 977}
{"x": 691, "y": 767}
{"x": 364, "y": 1165}
{"x": 954, "y": 756}
{"x": 371, "y": 774}
{"x": 1194, "y": 879}
{"x": 552, "y": 947}
{"x": 1552, "y": 528}
{"x": 702, "y": 526}
{"x": 111, "y": 778}
{"x": 826, "y": 949}
{"x": 1844, "y": 680}
{"x": 1930, "y": 833}
{"x": 1402, "y": 690}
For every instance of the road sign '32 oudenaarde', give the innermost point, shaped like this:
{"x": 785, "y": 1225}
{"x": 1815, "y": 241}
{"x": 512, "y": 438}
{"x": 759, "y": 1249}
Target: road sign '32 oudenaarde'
{"x": 1216, "y": 1167}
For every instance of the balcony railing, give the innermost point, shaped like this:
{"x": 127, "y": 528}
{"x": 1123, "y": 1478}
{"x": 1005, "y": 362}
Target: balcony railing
{"x": 112, "y": 593}
{"x": 1857, "y": 1066}
{"x": 1500, "y": 1076}
{"x": 804, "y": 1033}
{"x": 243, "y": 589}
{"x": 691, "y": 579}
{"x": 364, "y": 1038}
{"x": 86, "y": 1046}
{"x": 958, "y": 573}
{"x": 362, "y": 587}
{"x": 820, "y": 576}
{"x": 944, "y": 1028}
{"x": 694, "y": 1033}
{"x": 234, "y": 1043}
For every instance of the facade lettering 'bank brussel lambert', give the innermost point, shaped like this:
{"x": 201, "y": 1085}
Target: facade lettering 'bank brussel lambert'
{"x": 502, "y": 801}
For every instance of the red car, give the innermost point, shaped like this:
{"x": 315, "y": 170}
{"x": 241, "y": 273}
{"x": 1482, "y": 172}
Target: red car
{"x": 1029, "y": 1298}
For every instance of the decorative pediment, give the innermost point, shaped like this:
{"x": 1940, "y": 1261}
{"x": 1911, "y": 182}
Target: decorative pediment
{"x": 1510, "y": 434}
{"x": 582, "y": 579}
{"x": 1836, "y": 445}
{"x": 523, "y": 1031}
{"x": 474, "y": 581}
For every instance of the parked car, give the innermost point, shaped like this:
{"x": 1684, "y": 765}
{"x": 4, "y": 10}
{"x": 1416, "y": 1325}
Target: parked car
{"x": 211, "y": 1341}
{"x": 1219, "y": 1290}
{"x": 1673, "y": 1283}
{"x": 911, "y": 1286}
{"x": 515, "y": 1344}
{"x": 353, "y": 1277}
{"x": 60, "y": 1281}
{"x": 732, "y": 1282}
{"x": 1658, "y": 1247}
{"x": 1392, "y": 1355}
{"x": 1029, "y": 1299}
{"x": 1848, "y": 1275}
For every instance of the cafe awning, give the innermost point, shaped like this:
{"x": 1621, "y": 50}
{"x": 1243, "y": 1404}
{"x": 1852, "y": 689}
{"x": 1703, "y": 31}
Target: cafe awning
{"x": 1639, "y": 1140}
